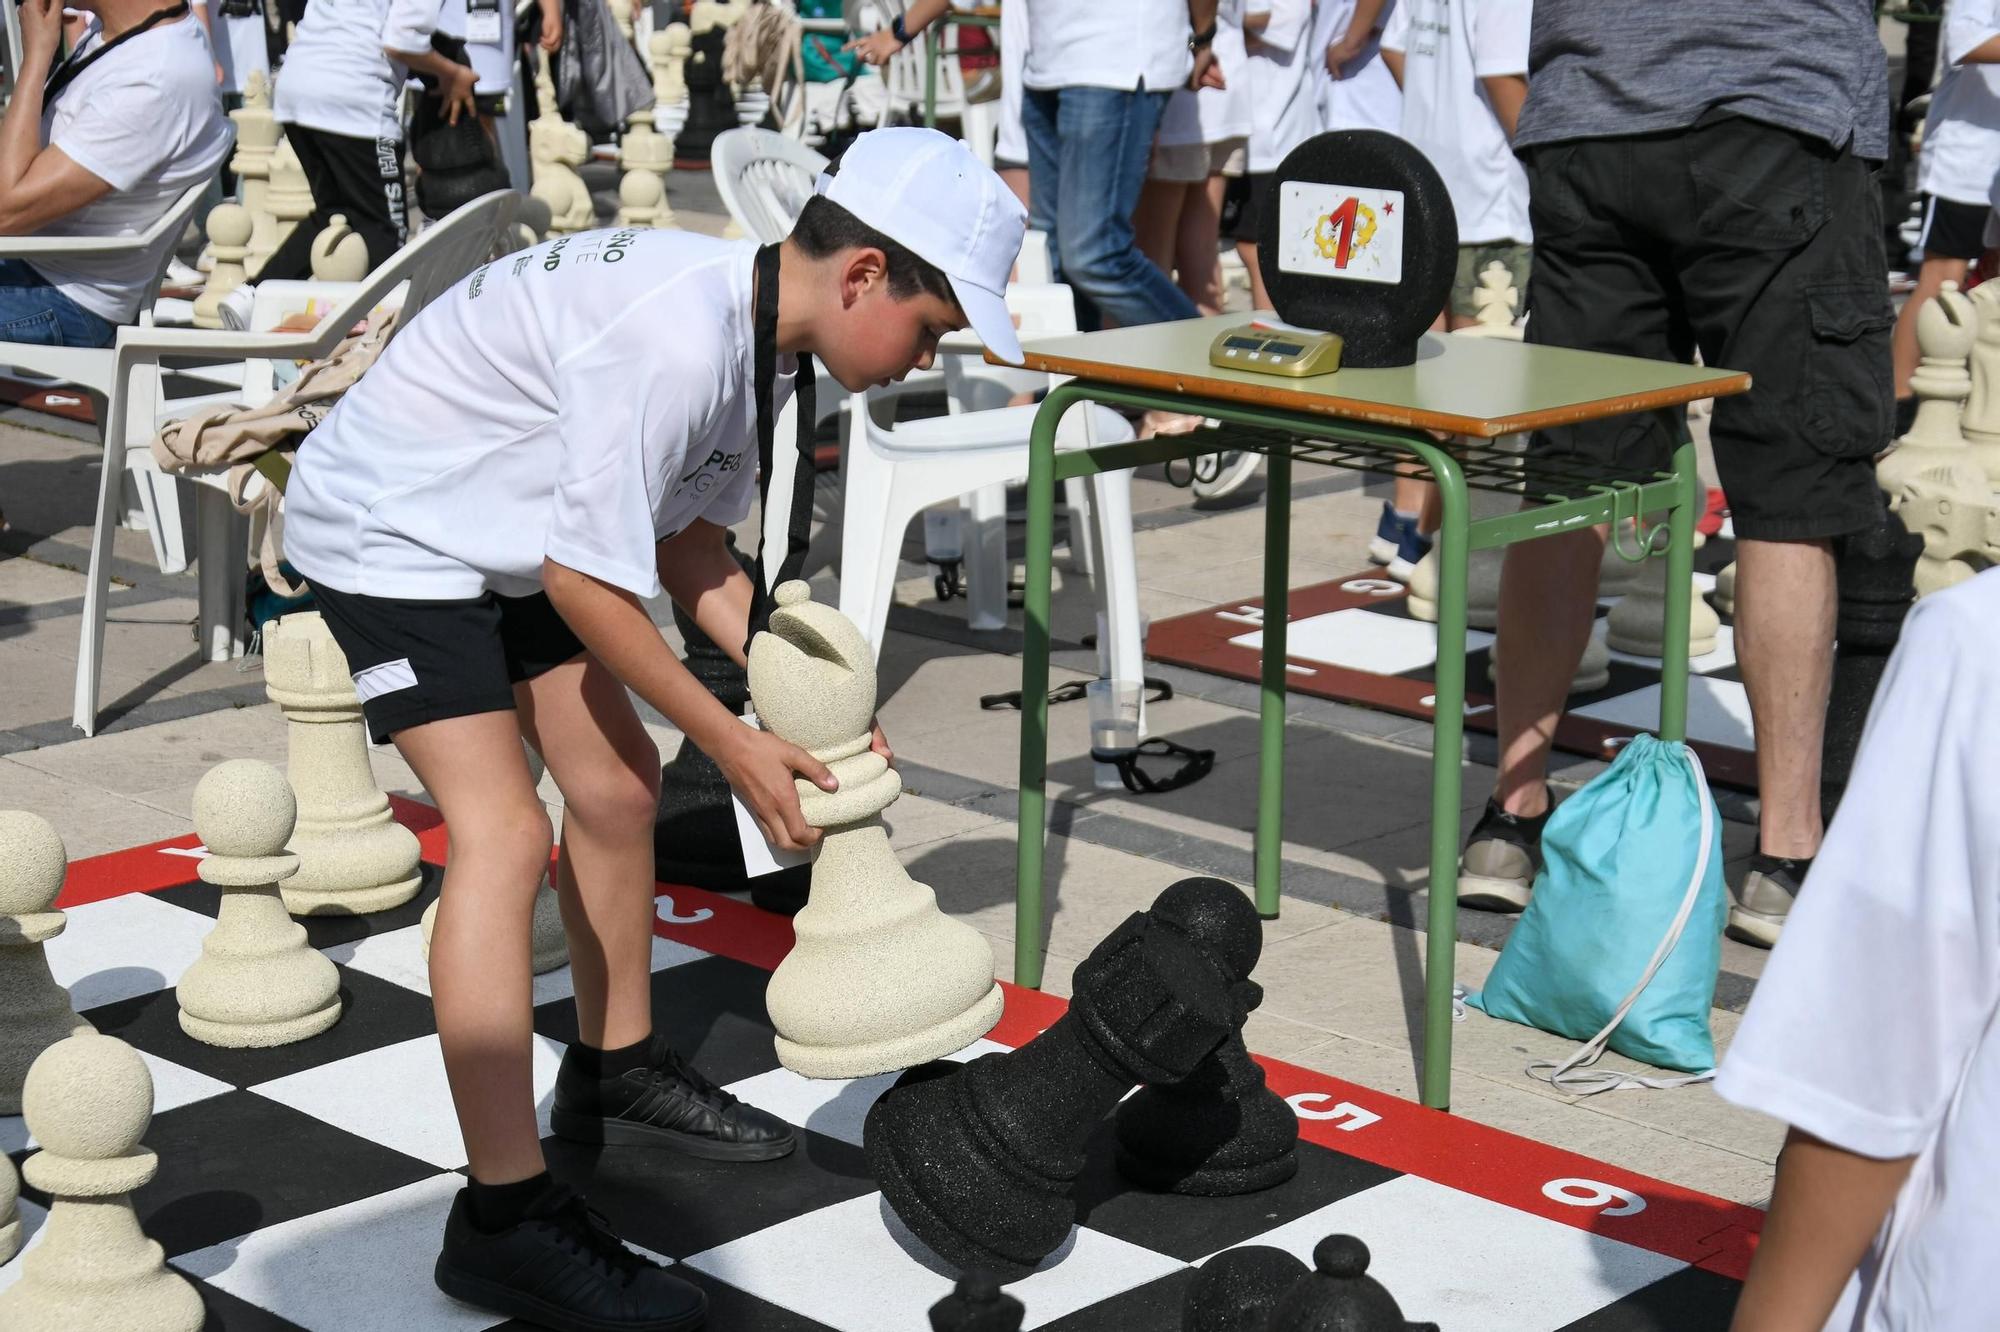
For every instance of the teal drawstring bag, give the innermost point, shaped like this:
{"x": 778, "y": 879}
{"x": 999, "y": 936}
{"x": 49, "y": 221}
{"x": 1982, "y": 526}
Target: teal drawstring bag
{"x": 1622, "y": 941}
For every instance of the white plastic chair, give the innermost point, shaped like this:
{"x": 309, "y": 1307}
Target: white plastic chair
{"x": 905, "y": 76}
{"x": 93, "y": 369}
{"x": 446, "y": 251}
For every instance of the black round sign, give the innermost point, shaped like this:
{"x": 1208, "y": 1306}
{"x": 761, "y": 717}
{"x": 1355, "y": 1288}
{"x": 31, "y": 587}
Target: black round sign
{"x": 1359, "y": 238}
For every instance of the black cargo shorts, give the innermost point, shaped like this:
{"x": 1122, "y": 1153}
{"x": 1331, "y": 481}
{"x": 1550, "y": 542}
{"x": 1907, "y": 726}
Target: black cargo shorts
{"x": 1758, "y": 246}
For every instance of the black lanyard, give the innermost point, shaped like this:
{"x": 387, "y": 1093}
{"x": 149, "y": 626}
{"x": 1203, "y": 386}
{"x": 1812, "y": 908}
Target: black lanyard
{"x": 65, "y": 74}
{"x": 764, "y": 364}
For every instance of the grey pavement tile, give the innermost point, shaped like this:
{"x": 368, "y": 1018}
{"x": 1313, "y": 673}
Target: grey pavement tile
{"x": 91, "y": 821}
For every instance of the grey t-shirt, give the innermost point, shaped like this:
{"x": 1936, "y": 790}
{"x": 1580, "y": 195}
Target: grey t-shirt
{"x": 1604, "y": 68}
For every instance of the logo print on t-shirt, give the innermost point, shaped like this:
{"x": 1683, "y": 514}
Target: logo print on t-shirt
{"x": 704, "y": 480}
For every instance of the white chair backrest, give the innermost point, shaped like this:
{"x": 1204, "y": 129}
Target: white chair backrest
{"x": 907, "y": 72}
{"x": 764, "y": 178}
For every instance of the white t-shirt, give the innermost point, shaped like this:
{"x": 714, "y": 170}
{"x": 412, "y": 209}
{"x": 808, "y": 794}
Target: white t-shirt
{"x": 581, "y": 400}
{"x": 1961, "y": 152}
{"x": 336, "y": 77}
{"x": 1278, "y": 69}
{"x": 1366, "y": 95}
{"x": 1448, "y": 46}
{"x": 1874, "y": 1024}
{"x": 1120, "y": 44}
{"x": 1213, "y": 115}
{"x": 147, "y": 120}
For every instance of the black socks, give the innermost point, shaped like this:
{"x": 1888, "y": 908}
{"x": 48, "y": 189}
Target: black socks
{"x": 606, "y": 1064}
{"x": 1790, "y": 871}
{"x": 498, "y": 1207}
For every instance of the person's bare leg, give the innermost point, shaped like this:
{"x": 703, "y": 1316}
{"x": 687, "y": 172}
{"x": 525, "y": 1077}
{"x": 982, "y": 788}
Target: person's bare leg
{"x": 1548, "y": 600}
{"x": 1931, "y": 277}
{"x": 1194, "y": 249}
{"x": 476, "y": 771}
{"x": 580, "y": 719}
{"x": 1785, "y": 601}
{"x": 1259, "y": 298}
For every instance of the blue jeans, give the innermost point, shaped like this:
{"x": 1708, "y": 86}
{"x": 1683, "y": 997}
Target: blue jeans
{"x": 1088, "y": 149}
{"x": 33, "y": 311}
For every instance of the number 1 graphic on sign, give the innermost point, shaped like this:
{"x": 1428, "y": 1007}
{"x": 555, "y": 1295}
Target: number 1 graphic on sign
{"x": 1342, "y": 221}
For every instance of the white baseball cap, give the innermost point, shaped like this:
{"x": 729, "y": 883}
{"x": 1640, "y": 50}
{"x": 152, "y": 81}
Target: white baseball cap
{"x": 927, "y": 192}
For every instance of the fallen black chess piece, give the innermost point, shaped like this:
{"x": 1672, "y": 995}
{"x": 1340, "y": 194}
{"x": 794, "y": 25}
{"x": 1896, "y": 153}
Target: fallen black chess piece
{"x": 978, "y": 1161}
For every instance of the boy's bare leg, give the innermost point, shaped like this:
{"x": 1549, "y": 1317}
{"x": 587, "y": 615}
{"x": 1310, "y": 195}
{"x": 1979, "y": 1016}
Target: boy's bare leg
{"x": 481, "y": 981}
{"x": 1785, "y": 601}
{"x": 1547, "y": 603}
{"x": 1199, "y": 262}
{"x": 581, "y": 721}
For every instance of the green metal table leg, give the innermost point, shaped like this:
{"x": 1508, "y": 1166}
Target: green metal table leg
{"x": 1680, "y": 592}
{"x": 1440, "y": 964}
{"x": 1035, "y": 692}
{"x": 1270, "y": 848}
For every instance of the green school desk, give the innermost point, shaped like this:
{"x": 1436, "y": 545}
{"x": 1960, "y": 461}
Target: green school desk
{"x": 1367, "y": 420}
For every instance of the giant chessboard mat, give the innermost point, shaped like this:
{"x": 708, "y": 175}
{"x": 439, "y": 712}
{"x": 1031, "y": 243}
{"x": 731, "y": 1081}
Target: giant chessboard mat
{"x": 1354, "y": 640}
{"x": 305, "y": 1187}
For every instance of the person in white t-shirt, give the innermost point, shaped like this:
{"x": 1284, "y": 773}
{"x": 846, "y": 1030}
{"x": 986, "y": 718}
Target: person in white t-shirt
{"x": 571, "y": 430}
{"x": 1956, "y": 172}
{"x": 1354, "y": 88}
{"x": 1278, "y": 71}
{"x": 340, "y": 99}
{"x": 1179, "y": 218}
{"x": 100, "y": 143}
{"x": 1463, "y": 69}
{"x": 1875, "y": 1029}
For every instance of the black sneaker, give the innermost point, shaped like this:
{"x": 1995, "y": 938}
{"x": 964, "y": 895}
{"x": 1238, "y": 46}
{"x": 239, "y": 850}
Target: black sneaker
{"x": 562, "y": 1268}
{"x": 666, "y": 1104}
{"x": 1497, "y": 872}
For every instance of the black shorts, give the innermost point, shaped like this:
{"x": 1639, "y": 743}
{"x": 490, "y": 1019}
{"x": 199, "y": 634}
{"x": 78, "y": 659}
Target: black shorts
{"x": 423, "y": 661}
{"x": 1761, "y": 248}
{"x": 1953, "y": 230}
{"x": 1244, "y": 200}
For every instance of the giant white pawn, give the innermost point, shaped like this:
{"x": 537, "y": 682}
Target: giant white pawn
{"x": 1637, "y": 624}
{"x": 35, "y": 1011}
{"x": 879, "y": 978}
{"x": 257, "y": 982}
{"x": 88, "y": 1101}
{"x": 1981, "y": 419}
{"x": 354, "y": 858}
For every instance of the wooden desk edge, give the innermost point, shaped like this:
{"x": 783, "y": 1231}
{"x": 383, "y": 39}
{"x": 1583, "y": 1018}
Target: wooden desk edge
{"x": 1375, "y": 413}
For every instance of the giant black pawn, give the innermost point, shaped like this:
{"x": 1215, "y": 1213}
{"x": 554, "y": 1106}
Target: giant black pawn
{"x": 711, "y": 104}
{"x": 694, "y": 837}
{"x": 1340, "y": 1296}
{"x": 1220, "y": 1133}
{"x": 977, "y": 1305}
{"x": 979, "y": 1161}
{"x": 1239, "y": 1289}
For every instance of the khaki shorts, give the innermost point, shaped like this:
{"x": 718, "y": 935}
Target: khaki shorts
{"x": 1190, "y": 163}
{"x": 1515, "y": 257}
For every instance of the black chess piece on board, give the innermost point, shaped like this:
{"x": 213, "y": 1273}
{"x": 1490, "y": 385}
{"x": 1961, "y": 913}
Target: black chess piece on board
{"x": 979, "y": 1161}
{"x": 694, "y": 838}
{"x": 1220, "y": 1132}
{"x": 977, "y": 1304}
{"x": 1340, "y": 1296}
{"x": 1874, "y": 574}
{"x": 1239, "y": 1289}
